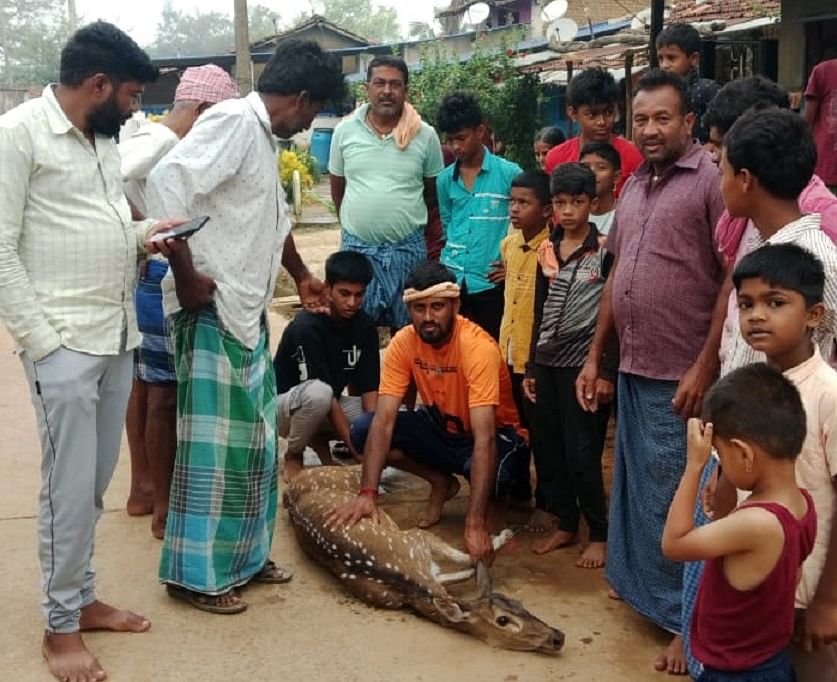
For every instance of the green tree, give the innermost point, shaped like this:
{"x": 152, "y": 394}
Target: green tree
{"x": 378, "y": 24}
{"x": 509, "y": 99}
{"x": 205, "y": 33}
{"x": 263, "y": 22}
{"x": 421, "y": 30}
{"x": 32, "y": 33}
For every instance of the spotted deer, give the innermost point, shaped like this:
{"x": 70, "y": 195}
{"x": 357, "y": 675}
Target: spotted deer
{"x": 394, "y": 569}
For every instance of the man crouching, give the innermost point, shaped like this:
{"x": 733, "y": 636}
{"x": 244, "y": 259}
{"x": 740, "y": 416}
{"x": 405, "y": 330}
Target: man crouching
{"x": 466, "y": 424}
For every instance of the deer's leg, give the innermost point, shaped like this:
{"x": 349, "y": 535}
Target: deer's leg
{"x": 457, "y": 577}
{"x": 442, "y": 550}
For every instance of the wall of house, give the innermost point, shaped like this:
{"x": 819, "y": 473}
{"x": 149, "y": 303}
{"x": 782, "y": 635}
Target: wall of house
{"x": 792, "y": 52}
{"x": 10, "y": 97}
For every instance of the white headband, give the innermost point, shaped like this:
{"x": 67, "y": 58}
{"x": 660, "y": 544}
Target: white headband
{"x": 441, "y": 290}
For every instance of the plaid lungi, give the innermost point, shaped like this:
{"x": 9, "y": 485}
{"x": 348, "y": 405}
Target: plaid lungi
{"x": 649, "y": 462}
{"x": 391, "y": 265}
{"x": 222, "y": 507}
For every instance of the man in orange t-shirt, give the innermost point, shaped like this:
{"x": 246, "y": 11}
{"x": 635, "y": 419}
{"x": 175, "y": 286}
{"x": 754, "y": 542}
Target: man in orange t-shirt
{"x": 466, "y": 424}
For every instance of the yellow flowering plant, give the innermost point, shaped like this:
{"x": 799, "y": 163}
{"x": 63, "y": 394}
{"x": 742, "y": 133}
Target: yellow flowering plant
{"x": 291, "y": 160}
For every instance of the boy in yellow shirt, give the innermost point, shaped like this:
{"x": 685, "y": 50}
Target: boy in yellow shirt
{"x": 530, "y": 210}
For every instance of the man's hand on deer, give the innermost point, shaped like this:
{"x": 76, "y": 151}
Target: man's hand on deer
{"x": 478, "y": 544}
{"x": 348, "y": 514}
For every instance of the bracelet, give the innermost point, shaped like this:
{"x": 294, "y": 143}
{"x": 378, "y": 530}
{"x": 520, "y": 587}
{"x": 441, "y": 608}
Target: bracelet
{"x": 368, "y": 492}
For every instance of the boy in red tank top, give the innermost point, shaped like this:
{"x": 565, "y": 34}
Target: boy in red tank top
{"x": 744, "y": 616}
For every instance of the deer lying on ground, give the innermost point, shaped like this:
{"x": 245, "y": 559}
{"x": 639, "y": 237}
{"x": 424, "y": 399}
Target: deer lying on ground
{"x": 393, "y": 569}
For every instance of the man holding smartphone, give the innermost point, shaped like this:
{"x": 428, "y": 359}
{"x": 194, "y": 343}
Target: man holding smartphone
{"x": 223, "y": 498}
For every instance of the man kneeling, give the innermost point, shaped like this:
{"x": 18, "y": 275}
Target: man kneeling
{"x": 322, "y": 354}
{"x": 467, "y": 422}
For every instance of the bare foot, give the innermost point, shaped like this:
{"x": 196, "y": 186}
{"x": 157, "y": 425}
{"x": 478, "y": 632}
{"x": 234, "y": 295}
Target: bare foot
{"x": 613, "y": 594}
{"x": 101, "y": 616}
{"x": 293, "y": 465}
{"x": 594, "y": 556}
{"x": 673, "y": 659}
{"x": 158, "y": 525}
{"x": 140, "y": 503}
{"x": 540, "y": 521}
{"x": 439, "y": 494}
{"x": 69, "y": 660}
{"x": 555, "y": 540}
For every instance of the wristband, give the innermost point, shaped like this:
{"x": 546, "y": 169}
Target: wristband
{"x": 368, "y": 492}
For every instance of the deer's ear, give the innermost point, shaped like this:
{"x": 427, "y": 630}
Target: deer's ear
{"x": 450, "y": 610}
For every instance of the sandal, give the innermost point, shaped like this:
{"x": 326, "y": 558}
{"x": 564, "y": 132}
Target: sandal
{"x": 273, "y": 574}
{"x": 205, "y": 602}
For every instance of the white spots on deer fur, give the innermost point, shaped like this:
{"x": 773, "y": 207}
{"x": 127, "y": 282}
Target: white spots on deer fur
{"x": 388, "y": 565}
{"x": 352, "y": 576}
{"x": 343, "y": 576}
{"x": 369, "y": 563}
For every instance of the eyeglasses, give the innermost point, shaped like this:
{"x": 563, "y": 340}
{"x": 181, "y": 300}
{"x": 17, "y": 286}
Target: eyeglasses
{"x": 380, "y": 84}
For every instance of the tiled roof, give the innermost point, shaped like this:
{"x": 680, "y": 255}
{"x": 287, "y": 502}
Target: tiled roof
{"x": 315, "y": 21}
{"x": 729, "y": 11}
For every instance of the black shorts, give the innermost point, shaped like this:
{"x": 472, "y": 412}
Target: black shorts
{"x": 424, "y": 440}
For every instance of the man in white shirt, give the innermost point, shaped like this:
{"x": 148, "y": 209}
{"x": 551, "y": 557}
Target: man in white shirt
{"x": 222, "y": 503}
{"x": 68, "y": 255}
{"x": 151, "y": 422}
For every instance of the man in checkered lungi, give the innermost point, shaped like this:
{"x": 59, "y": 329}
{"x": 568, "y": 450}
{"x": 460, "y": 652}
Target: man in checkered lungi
{"x": 222, "y": 504}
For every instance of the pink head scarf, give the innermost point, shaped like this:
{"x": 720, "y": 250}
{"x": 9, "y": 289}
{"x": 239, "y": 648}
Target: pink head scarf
{"x": 209, "y": 83}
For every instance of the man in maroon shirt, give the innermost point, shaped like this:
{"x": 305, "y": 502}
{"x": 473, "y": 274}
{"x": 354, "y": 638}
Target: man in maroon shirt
{"x": 821, "y": 114}
{"x": 665, "y": 303}
{"x": 591, "y": 103}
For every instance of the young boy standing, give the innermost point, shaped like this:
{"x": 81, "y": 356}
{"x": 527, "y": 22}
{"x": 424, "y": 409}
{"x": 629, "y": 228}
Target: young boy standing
{"x": 591, "y": 103}
{"x": 530, "y": 210}
{"x": 744, "y": 616}
{"x": 319, "y": 356}
{"x": 767, "y": 161}
{"x": 474, "y": 196}
{"x": 678, "y": 50}
{"x": 780, "y": 293}
{"x": 604, "y": 161}
{"x": 568, "y": 441}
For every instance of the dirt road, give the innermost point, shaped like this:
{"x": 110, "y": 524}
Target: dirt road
{"x": 309, "y": 629}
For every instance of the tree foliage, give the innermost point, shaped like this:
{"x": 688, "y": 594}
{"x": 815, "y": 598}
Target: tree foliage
{"x": 378, "y": 24}
{"x": 32, "y": 33}
{"x": 509, "y": 99}
{"x": 203, "y": 33}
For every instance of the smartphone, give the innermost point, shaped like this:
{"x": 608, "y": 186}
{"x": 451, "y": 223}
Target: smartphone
{"x": 183, "y": 231}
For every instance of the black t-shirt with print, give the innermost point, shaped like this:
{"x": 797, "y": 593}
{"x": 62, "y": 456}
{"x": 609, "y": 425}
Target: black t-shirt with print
{"x": 314, "y": 347}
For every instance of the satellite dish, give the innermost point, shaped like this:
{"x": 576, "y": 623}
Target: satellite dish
{"x": 563, "y": 30}
{"x": 478, "y": 12}
{"x": 555, "y": 9}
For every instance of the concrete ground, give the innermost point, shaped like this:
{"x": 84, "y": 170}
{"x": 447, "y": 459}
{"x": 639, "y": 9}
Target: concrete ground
{"x": 306, "y": 630}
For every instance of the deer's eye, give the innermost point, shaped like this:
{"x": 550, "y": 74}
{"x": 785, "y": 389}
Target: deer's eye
{"x": 503, "y": 621}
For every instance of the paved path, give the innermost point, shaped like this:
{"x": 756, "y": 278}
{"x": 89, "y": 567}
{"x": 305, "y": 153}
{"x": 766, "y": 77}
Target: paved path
{"x": 307, "y": 630}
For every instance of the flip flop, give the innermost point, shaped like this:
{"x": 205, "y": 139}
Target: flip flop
{"x": 204, "y": 602}
{"x": 273, "y": 574}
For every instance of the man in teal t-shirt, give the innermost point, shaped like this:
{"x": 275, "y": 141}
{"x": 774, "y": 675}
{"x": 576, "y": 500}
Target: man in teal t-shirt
{"x": 383, "y": 165}
{"x": 474, "y": 196}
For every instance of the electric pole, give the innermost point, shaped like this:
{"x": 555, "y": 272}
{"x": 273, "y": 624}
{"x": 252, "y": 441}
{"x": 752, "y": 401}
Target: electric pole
{"x": 72, "y": 17}
{"x": 658, "y": 8}
{"x": 243, "y": 62}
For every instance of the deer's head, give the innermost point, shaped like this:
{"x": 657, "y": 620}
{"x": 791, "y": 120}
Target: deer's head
{"x": 499, "y": 620}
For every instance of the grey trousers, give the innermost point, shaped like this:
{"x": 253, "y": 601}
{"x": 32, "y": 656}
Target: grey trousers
{"x": 80, "y": 402}
{"x": 303, "y": 412}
